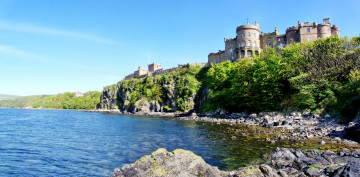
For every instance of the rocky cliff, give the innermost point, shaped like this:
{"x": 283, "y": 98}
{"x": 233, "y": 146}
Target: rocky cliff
{"x": 176, "y": 91}
{"x": 282, "y": 162}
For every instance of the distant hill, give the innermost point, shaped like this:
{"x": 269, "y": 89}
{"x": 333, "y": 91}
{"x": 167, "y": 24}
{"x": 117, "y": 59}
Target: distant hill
{"x": 68, "y": 100}
{"x": 8, "y": 97}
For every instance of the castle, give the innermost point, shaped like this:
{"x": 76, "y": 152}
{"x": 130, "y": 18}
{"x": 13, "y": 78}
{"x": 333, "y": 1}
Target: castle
{"x": 249, "y": 41}
{"x": 155, "y": 69}
{"x": 152, "y": 68}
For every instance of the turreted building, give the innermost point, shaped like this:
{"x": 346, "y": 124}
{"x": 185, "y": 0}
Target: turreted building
{"x": 250, "y": 40}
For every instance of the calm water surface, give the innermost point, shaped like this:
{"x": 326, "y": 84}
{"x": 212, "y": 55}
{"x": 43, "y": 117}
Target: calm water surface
{"x": 74, "y": 143}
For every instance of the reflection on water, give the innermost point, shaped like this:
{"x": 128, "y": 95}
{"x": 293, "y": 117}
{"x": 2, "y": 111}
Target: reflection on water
{"x": 72, "y": 143}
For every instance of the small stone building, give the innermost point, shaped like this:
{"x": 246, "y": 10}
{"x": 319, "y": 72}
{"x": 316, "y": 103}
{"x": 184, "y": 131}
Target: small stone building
{"x": 154, "y": 67}
{"x": 140, "y": 72}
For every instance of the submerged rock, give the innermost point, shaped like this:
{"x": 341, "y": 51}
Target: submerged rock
{"x": 282, "y": 162}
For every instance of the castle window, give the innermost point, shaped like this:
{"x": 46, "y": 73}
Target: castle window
{"x": 308, "y": 30}
{"x": 249, "y": 34}
{"x": 249, "y": 53}
{"x": 243, "y": 34}
{"x": 254, "y": 35}
{"x": 249, "y": 44}
{"x": 217, "y": 62}
{"x": 231, "y": 51}
{"x": 309, "y": 39}
{"x": 231, "y": 58}
{"x": 243, "y": 54}
{"x": 244, "y": 44}
{"x": 254, "y": 44}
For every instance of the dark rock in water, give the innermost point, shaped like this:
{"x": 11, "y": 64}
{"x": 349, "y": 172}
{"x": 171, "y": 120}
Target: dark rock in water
{"x": 351, "y": 109}
{"x": 353, "y": 133}
{"x": 282, "y": 162}
{"x": 276, "y": 123}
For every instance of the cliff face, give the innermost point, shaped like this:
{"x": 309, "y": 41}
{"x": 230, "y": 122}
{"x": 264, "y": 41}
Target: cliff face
{"x": 177, "y": 91}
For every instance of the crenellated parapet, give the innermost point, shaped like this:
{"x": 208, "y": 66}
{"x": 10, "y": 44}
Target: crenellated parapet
{"x": 292, "y": 28}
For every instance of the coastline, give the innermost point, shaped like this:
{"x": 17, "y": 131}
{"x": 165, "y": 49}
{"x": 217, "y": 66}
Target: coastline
{"x": 280, "y": 162}
{"x": 301, "y": 126}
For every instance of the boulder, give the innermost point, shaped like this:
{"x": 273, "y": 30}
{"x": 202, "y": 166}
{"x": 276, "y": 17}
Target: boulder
{"x": 163, "y": 163}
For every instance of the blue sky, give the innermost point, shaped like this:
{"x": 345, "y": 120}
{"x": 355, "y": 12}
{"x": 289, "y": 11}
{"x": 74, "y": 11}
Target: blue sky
{"x": 56, "y": 46}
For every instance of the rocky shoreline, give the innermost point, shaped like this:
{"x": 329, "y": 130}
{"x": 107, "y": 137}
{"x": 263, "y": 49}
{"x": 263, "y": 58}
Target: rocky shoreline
{"x": 281, "y": 162}
{"x": 301, "y": 126}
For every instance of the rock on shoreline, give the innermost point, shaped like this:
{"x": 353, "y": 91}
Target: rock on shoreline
{"x": 303, "y": 126}
{"x": 282, "y": 162}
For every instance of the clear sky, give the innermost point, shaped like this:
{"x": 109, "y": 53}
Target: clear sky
{"x": 56, "y": 46}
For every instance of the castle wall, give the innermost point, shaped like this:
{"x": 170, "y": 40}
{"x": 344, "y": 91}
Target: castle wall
{"x": 154, "y": 67}
{"x": 268, "y": 40}
{"x": 292, "y": 35}
{"x": 308, "y": 32}
{"x": 216, "y": 57}
{"x": 335, "y": 31}
{"x": 230, "y": 46}
{"x": 140, "y": 72}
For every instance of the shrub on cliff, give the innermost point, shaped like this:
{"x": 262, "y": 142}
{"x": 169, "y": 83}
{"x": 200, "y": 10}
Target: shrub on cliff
{"x": 175, "y": 90}
{"x": 251, "y": 84}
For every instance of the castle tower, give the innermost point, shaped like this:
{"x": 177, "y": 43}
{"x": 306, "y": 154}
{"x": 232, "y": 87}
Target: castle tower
{"x": 154, "y": 67}
{"x": 248, "y": 40}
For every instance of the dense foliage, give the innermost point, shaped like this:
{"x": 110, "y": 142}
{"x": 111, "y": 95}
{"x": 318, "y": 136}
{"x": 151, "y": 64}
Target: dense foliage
{"x": 316, "y": 76}
{"x": 66, "y": 100}
{"x": 174, "y": 90}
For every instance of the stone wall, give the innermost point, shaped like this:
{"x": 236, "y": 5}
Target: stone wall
{"x": 154, "y": 67}
{"x": 217, "y": 57}
{"x": 230, "y": 47}
{"x": 161, "y": 71}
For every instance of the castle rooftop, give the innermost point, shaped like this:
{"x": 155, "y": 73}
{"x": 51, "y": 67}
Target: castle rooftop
{"x": 247, "y": 27}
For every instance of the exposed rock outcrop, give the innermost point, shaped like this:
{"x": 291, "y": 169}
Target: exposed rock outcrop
{"x": 282, "y": 162}
{"x": 124, "y": 97}
{"x": 163, "y": 163}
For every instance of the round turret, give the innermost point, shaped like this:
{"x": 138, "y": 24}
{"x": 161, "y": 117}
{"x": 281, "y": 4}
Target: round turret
{"x": 291, "y": 34}
{"x": 324, "y": 30}
{"x": 248, "y": 39}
